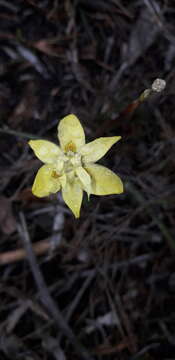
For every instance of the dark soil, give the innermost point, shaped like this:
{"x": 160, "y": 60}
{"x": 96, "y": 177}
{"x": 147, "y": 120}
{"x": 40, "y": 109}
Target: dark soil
{"x": 101, "y": 287}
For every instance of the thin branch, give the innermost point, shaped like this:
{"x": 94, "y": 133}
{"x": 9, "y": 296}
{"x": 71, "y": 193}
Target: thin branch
{"x": 45, "y": 297}
{"x": 24, "y": 135}
{"x": 39, "y": 248}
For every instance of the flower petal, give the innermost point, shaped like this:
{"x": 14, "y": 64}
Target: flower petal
{"x": 70, "y": 133}
{"x": 96, "y": 149}
{"x": 104, "y": 181}
{"x": 85, "y": 178}
{"x": 72, "y": 195}
{"x": 45, "y": 150}
{"x": 45, "y": 182}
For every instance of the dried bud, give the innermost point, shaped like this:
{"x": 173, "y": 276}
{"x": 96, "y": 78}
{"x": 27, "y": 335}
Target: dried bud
{"x": 145, "y": 95}
{"x": 158, "y": 85}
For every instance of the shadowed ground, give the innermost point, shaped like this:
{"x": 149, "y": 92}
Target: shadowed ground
{"x": 101, "y": 287}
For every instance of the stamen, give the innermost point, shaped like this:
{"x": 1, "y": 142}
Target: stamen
{"x": 70, "y": 147}
{"x": 55, "y": 175}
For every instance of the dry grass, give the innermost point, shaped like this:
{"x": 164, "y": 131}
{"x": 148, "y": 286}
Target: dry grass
{"x": 103, "y": 286}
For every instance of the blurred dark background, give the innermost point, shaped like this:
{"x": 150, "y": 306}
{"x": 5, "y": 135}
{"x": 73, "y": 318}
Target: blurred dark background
{"x": 112, "y": 272}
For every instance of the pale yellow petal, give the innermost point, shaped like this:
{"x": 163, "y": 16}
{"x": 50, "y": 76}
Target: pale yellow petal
{"x": 72, "y": 195}
{"x": 46, "y": 182}
{"x": 63, "y": 180}
{"x": 103, "y": 180}
{"x": 45, "y": 150}
{"x": 96, "y": 149}
{"x": 70, "y": 133}
{"x": 85, "y": 178}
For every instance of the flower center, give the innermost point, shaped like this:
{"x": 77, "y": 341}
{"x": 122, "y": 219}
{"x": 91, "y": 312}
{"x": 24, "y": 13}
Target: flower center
{"x": 67, "y": 162}
{"x": 72, "y": 161}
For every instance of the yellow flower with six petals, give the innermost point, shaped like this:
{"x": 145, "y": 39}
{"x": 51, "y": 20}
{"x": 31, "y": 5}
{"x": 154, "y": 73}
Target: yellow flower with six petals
{"x": 71, "y": 166}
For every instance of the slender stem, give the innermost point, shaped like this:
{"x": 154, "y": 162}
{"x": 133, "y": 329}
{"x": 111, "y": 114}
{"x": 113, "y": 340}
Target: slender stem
{"x": 18, "y": 133}
{"x": 45, "y": 296}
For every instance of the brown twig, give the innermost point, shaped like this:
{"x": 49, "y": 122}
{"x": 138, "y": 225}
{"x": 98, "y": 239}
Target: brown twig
{"x": 16, "y": 255}
{"x": 45, "y": 296}
{"x": 157, "y": 86}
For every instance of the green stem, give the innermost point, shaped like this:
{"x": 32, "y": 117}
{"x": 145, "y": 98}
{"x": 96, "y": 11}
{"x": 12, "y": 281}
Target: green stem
{"x": 19, "y": 134}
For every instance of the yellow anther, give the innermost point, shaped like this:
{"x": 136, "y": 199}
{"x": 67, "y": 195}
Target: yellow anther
{"x": 70, "y": 147}
{"x": 55, "y": 175}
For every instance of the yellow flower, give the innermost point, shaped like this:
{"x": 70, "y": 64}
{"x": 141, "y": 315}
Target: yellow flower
{"x": 70, "y": 167}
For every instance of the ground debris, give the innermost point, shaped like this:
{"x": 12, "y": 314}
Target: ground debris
{"x": 7, "y": 220}
{"x": 103, "y": 284}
